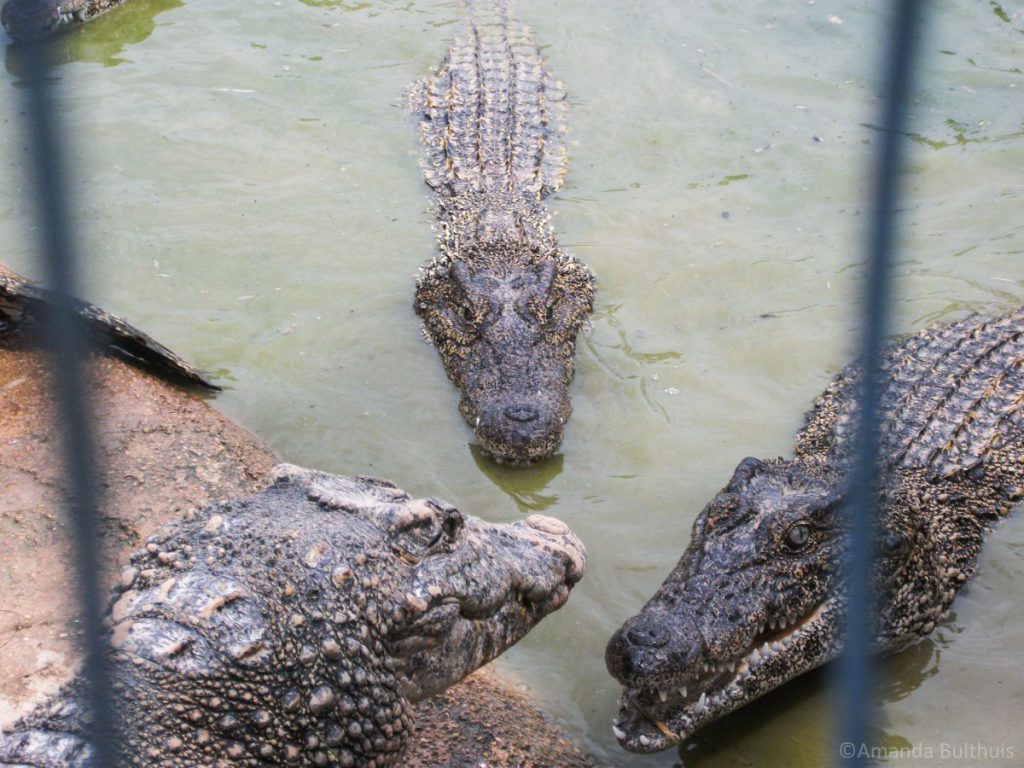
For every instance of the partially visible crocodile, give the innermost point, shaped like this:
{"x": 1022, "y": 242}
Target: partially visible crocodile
{"x": 501, "y": 302}
{"x": 296, "y": 627}
{"x": 35, "y": 19}
{"x": 757, "y": 598}
{"x": 25, "y": 306}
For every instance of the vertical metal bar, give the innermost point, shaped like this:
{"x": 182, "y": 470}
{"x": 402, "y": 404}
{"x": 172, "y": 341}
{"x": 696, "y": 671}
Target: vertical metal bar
{"x": 69, "y": 345}
{"x": 856, "y": 678}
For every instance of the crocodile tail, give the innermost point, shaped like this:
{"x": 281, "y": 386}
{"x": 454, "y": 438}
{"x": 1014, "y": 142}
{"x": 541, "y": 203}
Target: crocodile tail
{"x": 492, "y": 119}
{"x": 23, "y": 303}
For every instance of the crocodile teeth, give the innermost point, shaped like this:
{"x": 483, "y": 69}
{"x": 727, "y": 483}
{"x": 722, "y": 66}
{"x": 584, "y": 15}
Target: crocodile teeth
{"x": 682, "y": 691}
{"x": 703, "y": 700}
{"x": 663, "y": 695}
{"x": 755, "y": 655}
{"x": 645, "y": 740}
{"x": 765, "y": 649}
{"x": 619, "y": 733}
{"x": 478, "y": 421}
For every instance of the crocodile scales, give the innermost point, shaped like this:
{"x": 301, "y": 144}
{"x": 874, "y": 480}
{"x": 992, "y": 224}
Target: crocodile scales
{"x": 296, "y": 627}
{"x": 501, "y": 301}
{"x": 757, "y": 598}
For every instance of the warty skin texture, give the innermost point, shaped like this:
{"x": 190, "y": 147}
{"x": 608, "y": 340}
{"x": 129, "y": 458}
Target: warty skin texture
{"x": 757, "y": 598}
{"x": 35, "y": 19}
{"x": 296, "y": 627}
{"x": 501, "y": 302}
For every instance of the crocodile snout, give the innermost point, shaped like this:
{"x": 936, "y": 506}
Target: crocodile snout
{"x": 519, "y": 431}
{"x": 651, "y": 645}
{"x": 558, "y": 536}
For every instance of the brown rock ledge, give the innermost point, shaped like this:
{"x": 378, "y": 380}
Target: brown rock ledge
{"x": 165, "y": 451}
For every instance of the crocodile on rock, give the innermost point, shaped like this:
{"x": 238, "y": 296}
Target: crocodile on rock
{"x": 758, "y": 598}
{"x": 296, "y": 627}
{"x": 501, "y": 301}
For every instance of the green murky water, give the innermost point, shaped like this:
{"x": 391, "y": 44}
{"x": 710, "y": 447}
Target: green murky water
{"x": 246, "y": 189}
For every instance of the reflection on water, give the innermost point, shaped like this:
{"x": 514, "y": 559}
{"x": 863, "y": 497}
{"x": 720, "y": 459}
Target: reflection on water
{"x": 102, "y": 40}
{"x": 279, "y": 251}
{"x": 523, "y": 485}
{"x": 902, "y": 674}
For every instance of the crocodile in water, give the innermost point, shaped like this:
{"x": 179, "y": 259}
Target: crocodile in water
{"x": 758, "y": 599}
{"x": 501, "y": 301}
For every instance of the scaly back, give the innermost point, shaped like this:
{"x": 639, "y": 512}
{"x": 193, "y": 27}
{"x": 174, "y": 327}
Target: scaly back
{"x": 492, "y": 119}
{"x": 493, "y": 124}
{"x": 951, "y": 401}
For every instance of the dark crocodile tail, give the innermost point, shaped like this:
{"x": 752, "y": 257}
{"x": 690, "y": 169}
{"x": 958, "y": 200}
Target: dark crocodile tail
{"x": 22, "y": 303}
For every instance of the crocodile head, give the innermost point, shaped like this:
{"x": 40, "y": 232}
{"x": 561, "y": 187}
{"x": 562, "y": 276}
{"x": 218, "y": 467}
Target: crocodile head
{"x": 486, "y": 589}
{"x": 34, "y": 19}
{"x": 751, "y": 604}
{"x": 506, "y": 329}
{"x": 297, "y": 626}
{"x": 450, "y": 592}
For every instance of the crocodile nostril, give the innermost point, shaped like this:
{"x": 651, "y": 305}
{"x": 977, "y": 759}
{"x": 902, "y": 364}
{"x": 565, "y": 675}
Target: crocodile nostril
{"x": 521, "y": 413}
{"x": 649, "y": 636}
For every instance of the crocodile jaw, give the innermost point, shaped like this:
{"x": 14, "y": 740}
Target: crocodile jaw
{"x": 651, "y": 719}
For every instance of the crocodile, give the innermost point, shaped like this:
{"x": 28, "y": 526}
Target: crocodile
{"x": 37, "y": 19}
{"x": 501, "y": 301}
{"x": 298, "y": 626}
{"x": 758, "y": 597}
{"x": 26, "y": 307}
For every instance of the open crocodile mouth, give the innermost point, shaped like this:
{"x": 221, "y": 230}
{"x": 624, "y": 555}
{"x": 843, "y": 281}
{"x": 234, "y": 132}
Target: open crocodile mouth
{"x": 657, "y": 716}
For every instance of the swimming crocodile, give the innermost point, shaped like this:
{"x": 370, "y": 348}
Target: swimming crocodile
{"x": 27, "y": 307}
{"x": 296, "y": 627}
{"x": 36, "y": 19}
{"x": 757, "y": 599}
{"x": 501, "y": 301}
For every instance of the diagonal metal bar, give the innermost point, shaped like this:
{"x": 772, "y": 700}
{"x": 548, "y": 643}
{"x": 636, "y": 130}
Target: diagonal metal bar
{"x": 856, "y": 669}
{"x": 69, "y": 347}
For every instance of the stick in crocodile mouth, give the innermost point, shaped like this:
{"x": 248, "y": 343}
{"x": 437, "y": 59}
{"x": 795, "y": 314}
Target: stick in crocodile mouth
{"x": 758, "y": 597}
{"x": 501, "y": 301}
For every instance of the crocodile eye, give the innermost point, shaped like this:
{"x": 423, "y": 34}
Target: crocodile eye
{"x": 416, "y": 541}
{"x": 467, "y": 314}
{"x": 797, "y": 536}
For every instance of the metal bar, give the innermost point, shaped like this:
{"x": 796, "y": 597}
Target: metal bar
{"x": 856, "y": 670}
{"x": 69, "y": 347}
